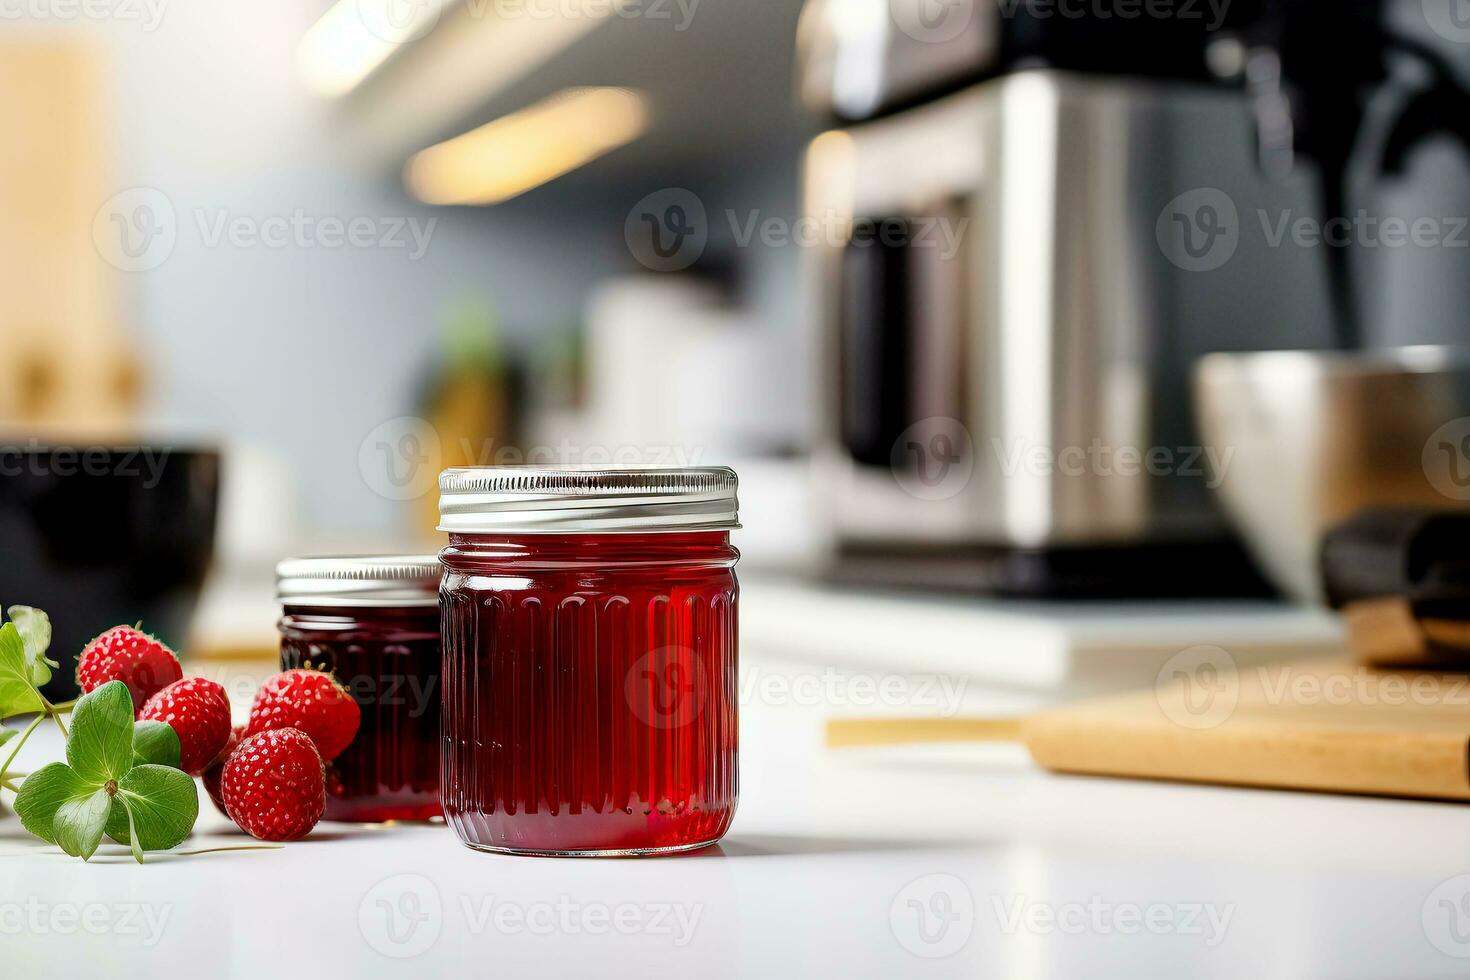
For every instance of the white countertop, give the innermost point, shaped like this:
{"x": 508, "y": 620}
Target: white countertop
{"x": 948, "y": 861}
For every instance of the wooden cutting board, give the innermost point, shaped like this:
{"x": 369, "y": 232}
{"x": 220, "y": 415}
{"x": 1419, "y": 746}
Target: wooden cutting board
{"x": 1324, "y": 726}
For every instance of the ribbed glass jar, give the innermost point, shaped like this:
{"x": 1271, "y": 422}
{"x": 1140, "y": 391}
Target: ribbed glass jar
{"x": 590, "y": 687}
{"x": 380, "y": 639}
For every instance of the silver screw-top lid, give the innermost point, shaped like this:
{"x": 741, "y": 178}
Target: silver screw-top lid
{"x": 544, "y": 500}
{"x": 359, "y": 580}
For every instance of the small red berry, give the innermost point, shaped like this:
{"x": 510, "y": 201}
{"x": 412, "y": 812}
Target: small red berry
{"x": 211, "y": 776}
{"x": 310, "y": 701}
{"x": 273, "y": 785}
{"x": 126, "y": 654}
{"x": 199, "y": 711}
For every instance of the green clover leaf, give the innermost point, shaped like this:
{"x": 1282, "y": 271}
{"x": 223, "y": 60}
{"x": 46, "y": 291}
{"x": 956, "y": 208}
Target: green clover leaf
{"x": 18, "y": 694}
{"x": 160, "y": 805}
{"x": 156, "y": 743}
{"x": 134, "y": 838}
{"x": 43, "y": 794}
{"x": 79, "y": 823}
{"x": 120, "y": 778}
{"x": 34, "y": 627}
{"x": 100, "y": 746}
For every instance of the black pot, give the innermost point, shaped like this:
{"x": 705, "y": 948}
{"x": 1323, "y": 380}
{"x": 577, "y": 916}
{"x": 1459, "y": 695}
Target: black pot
{"x": 102, "y": 536}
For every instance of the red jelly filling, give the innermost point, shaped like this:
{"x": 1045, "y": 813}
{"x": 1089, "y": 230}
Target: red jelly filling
{"x": 589, "y": 690}
{"x": 388, "y": 658}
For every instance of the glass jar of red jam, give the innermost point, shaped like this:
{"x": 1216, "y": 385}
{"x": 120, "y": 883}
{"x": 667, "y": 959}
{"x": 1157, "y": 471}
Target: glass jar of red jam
{"x": 589, "y": 624}
{"x": 373, "y": 624}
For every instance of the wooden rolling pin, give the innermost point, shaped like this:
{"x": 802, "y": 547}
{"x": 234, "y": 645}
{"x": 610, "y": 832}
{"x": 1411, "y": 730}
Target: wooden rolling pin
{"x": 1328, "y": 727}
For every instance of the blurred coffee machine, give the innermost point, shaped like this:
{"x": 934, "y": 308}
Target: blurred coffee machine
{"x": 1037, "y": 229}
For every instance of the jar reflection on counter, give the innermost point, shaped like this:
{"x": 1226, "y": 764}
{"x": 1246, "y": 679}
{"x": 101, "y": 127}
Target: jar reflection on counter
{"x": 373, "y": 624}
{"x": 590, "y": 676}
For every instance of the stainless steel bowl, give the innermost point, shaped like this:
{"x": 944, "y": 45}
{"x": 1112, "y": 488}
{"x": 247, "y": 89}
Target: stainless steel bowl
{"x": 1306, "y": 438}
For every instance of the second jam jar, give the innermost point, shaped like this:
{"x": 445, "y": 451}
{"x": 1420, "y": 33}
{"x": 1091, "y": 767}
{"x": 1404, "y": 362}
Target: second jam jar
{"x": 590, "y": 645}
{"x": 372, "y": 622}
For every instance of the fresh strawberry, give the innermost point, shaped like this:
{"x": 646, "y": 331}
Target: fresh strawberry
{"x": 125, "y": 654}
{"x": 199, "y": 711}
{"x": 211, "y": 776}
{"x": 310, "y": 701}
{"x": 273, "y": 785}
